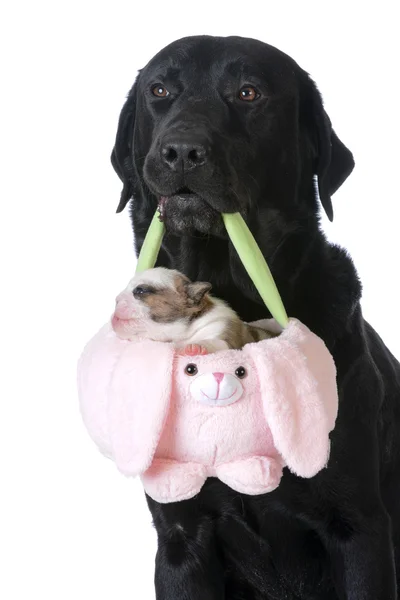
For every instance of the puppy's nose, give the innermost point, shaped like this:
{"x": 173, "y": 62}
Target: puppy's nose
{"x": 184, "y": 155}
{"x": 123, "y": 310}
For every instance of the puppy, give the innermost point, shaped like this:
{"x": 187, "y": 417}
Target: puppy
{"x": 163, "y": 305}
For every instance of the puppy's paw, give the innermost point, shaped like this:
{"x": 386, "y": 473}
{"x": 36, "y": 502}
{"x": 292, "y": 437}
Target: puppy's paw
{"x": 193, "y": 350}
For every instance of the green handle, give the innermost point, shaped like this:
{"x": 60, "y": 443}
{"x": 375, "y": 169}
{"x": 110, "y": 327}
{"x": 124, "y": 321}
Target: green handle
{"x": 255, "y": 265}
{"x": 247, "y": 249}
{"x": 151, "y": 245}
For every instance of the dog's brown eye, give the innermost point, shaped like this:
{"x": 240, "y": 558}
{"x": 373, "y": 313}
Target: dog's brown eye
{"x": 241, "y": 372}
{"x": 248, "y": 93}
{"x": 191, "y": 369}
{"x": 160, "y": 91}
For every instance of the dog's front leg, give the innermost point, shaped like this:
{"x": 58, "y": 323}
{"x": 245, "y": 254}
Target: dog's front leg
{"x": 363, "y": 564}
{"x": 187, "y": 564}
{"x": 344, "y": 501}
{"x": 346, "y": 508}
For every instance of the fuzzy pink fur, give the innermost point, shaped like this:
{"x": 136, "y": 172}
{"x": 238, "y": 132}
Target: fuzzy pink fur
{"x": 174, "y": 430}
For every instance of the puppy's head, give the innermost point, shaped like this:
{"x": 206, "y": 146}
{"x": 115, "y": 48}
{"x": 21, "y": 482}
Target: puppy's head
{"x": 225, "y": 124}
{"x": 159, "y": 304}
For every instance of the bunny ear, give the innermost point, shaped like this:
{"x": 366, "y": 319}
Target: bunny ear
{"x": 297, "y": 379}
{"x": 140, "y": 394}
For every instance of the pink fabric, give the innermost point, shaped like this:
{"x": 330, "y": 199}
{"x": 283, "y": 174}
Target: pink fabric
{"x": 150, "y": 416}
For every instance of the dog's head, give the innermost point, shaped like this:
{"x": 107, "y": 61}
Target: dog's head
{"x": 217, "y": 125}
{"x": 159, "y": 304}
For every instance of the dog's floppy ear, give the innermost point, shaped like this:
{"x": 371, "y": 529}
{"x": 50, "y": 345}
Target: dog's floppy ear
{"x": 121, "y": 156}
{"x": 333, "y": 161}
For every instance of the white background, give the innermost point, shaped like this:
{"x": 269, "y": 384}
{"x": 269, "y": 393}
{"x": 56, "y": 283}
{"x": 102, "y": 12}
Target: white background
{"x": 72, "y": 527}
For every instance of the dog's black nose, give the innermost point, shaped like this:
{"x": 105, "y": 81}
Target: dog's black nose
{"x": 180, "y": 155}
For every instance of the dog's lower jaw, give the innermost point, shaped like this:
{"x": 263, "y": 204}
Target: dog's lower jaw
{"x": 190, "y": 215}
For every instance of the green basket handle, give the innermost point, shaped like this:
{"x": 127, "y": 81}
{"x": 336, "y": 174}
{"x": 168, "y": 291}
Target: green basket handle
{"x": 248, "y": 252}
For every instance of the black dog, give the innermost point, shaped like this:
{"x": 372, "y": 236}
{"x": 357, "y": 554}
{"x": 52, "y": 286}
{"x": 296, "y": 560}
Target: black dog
{"x": 224, "y": 124}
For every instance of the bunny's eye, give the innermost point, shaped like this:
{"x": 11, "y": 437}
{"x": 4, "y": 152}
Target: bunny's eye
{"x": 191, "y": 370}
{"x": 240, "y": 372}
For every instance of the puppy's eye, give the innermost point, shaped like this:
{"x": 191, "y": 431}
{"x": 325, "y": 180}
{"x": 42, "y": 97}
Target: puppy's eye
{"x": 191, "y": 370}
{"x": 142, "y": 290}
{"x": 160, "y": 91}
{"x": 248, "y": 93}
{"x": 240, "y": 372}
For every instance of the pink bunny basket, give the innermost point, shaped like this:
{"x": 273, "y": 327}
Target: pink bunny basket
{"x": 239, "y": 415}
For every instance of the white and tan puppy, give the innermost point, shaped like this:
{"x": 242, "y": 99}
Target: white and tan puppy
{"x": 164, "y": 305}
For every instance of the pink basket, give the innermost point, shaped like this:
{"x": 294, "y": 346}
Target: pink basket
{"x": 239, "y": 415}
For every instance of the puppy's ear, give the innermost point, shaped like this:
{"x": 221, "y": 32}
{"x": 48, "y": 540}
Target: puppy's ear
{"x": 121, "y": 156}
{"x": 333, "y": 161}
{"x": 196, "y": 291}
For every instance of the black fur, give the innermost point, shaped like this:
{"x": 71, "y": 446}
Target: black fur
{"x": 336, "y": 536}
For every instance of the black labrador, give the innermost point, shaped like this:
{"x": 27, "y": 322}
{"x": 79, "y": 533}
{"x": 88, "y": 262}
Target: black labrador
{"x": 231, "y": 124}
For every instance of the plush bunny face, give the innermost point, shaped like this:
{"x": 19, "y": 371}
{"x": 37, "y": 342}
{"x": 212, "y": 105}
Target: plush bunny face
{"x": 217, "y": 379}
{"x": 216, "y": 389}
